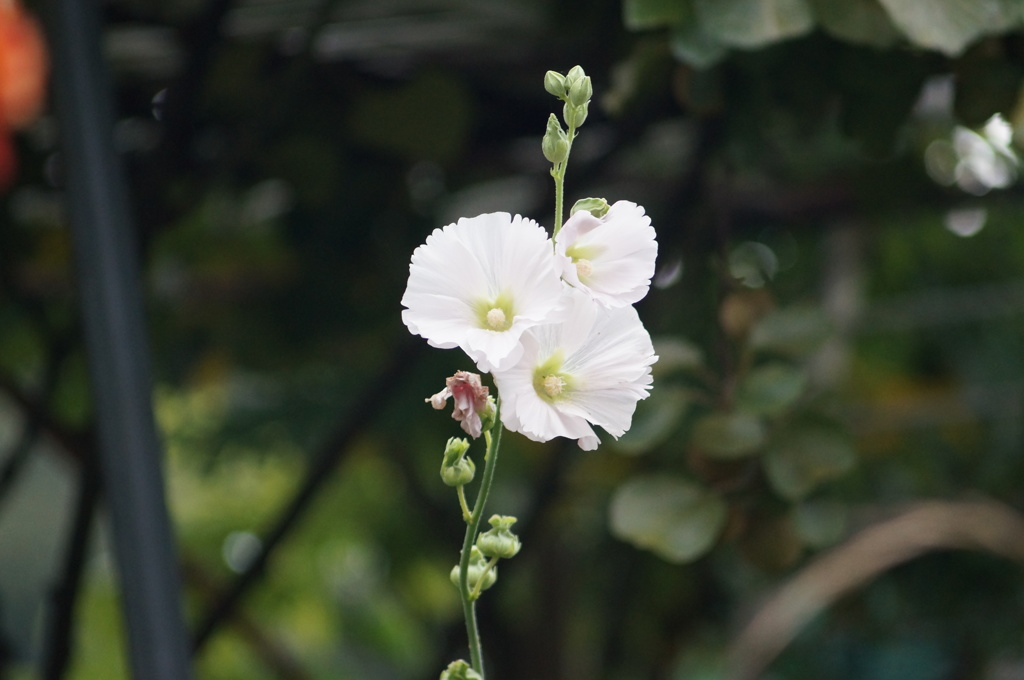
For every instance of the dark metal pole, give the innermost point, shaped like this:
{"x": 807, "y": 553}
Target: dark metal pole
{"x": 111, "y": 300}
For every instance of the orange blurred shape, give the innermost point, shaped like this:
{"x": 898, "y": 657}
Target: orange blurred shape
{"x": 23, "y": 66}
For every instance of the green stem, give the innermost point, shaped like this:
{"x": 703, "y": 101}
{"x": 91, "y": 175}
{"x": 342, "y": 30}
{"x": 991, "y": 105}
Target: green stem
{"x": 468, "y": 603}
{"x": 475, "y": 595}
{"x": 559, "y": 190}
{"x": 466, "y": 515}
{"x": 558, "y": 173}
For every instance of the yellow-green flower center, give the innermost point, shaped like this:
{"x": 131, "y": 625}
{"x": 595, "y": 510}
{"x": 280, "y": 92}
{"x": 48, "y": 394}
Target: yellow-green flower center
{"x": 549, "y": 381}
{"x": 583, "y": 257}
{"x": 496, "y": 314}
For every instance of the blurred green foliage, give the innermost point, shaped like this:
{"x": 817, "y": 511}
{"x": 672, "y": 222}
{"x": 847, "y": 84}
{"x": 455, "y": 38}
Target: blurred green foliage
{"x": 839, "y": 311}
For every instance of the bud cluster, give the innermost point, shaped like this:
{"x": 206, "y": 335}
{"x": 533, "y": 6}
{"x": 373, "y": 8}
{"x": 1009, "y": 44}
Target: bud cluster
{"x": 575, "y": 90}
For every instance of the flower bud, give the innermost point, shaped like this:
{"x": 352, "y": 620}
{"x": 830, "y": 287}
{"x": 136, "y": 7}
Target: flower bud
{"x": 575, "y": 115}
{"x": 554, "y": 83}
{"x": 581, "y": 92}
{"x": 488, "y": 415}
{"x": 459, "y": 474}
{"x": 598, "y": 207}
{"x": 459, "y": 670}
{"x": 457, "y": 469}
{"x": 475, "y": 571}
{"x": 574, "y": 75}
{"x": 455, "y": 448}
{"x": 499, "y": 541}
{"x": 555, "y": 144}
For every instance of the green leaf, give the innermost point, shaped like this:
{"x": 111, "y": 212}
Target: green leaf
{"x": 794, "y": 331}
{"x": 857, "y": 21}
{"x": 754, "y": 23}
{"x": 821, "y": 523}
{"x": 676, "y": 354}
{"x": 771, "y": 389}
{"x": 655, "y": 420}
{"x": 950, "y": 25}
{"x": 753, "y": 264}
{"x": 800, "y": 459}
{"x": 692, "y": 45}
{"x": 642, "y": 14}
{"x": 676, "y": 519}
{"x": 728, "y": 435}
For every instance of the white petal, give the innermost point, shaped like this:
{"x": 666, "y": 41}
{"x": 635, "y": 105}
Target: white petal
{"x": 623, "y": 251}
{"x": 608, "y": 354}
{"x": 475, "y": 261}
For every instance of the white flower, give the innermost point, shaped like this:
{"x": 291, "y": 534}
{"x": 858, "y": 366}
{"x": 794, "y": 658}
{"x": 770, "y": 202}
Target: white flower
{"x": 479, "y": 283}
{"x": 591, "y": 366}
{"x": 611, "y": 257}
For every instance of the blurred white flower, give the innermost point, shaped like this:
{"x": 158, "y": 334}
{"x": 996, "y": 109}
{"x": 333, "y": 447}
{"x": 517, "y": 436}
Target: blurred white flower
{"x": 591, "y": 366}
{"x": 611, "y": 257}
{"x": 479, "y": 283}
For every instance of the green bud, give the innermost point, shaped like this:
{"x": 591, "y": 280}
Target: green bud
{"x": 555, "y": 144}
{"x": 598, "y": 207}
{"x": 499, "y": 541}
{"x": 460, "y": 474}
{"x": 457, "y": 469}
{"x": 575, "y": 115}
{"x": 477, "y": 565}
{"x": 581, "y": 92}
{"x": 488, "y": 415}
{"x": 574, "y": 75}
{"x": 459, "y": 670}
{"x": 455, "y": 448}
{"x": 554, "y": 83}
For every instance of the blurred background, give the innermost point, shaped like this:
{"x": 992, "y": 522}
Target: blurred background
{"x": 836, "y": 427}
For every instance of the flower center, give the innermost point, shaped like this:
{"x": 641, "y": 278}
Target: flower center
{"x": 495, "y": 314}
{"x": 553, "y": 385}
{"x": 584, "y": 268}
{"x": 550, "y": 382}
{"x": 496, "y": 319}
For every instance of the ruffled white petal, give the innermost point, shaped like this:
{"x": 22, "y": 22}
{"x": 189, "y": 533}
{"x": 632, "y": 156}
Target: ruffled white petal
{"x": 608, "y": 355}
{"x": 475, "y": 260}
{"x": 620, "y": 250}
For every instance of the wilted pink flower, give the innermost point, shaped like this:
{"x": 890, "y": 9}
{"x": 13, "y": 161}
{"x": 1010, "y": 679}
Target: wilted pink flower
{"x": 471, "y": 400}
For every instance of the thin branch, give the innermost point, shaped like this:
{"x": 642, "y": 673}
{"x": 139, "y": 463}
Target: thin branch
{"x": 60, "y": 634}
{"x": 274, "y": 654}
{"x": 373, "y": 397}
{"x": 34, "y": 417}
{"x": 73, "y": 441}
{"x": 928, "y": 526}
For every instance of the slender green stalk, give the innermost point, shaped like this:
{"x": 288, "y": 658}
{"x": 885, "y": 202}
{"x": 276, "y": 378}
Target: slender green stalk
{"x": 558, "y": 173}
{"x": 468, "y": 599}
{"x": 466, "y": 514}
{"x": 483, "y": 578}
{"x": 559, "y": 191}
